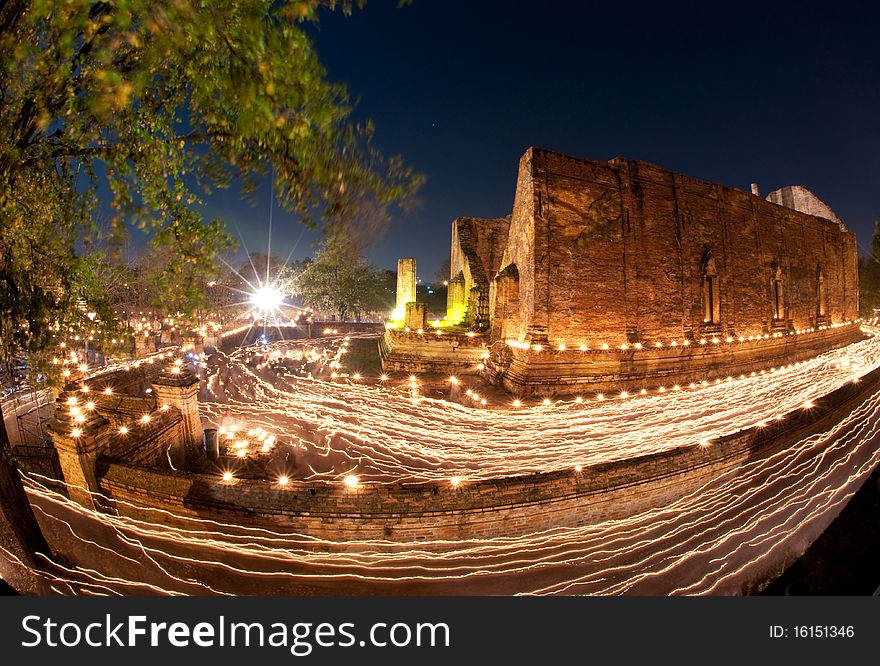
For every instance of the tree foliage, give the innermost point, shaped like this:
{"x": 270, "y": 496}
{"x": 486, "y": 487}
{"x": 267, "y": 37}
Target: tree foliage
{"x": 869, "y": 277}
{"x": 443, "y": 273}
{"x": 340, "y": 280}
{"x": 151, "y": 105}
{"x": 160, "y": 102}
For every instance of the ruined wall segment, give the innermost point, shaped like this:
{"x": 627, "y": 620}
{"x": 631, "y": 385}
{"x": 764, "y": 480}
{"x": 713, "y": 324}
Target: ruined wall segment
{"x": 477, "y": 250}
{"x": 619, "y": 252}
{"x": 798, "y": 197}
{"x": 406, "y": 286}
{"x": 513, "y": 317}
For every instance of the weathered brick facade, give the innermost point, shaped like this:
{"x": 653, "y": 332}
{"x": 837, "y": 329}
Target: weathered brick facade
{"x": 620, "y": 275}
{"x": 622, "y": 251}
{"x": 477, "y": 250}
{"x": 623, "y": 256}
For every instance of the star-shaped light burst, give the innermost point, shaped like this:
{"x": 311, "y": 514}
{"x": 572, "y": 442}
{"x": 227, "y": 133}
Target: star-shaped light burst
{"x": 267, "y": 300}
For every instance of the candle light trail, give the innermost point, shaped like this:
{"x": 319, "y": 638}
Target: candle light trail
{"x": 701, "y": 543}
{"x": 711, "y": 539}
{"x": 379, "y": 430}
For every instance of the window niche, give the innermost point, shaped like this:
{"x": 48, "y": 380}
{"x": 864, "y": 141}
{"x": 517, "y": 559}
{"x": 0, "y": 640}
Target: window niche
{"x": 777, "y": 298}
{"x": 711, "y": 296}
{"x": 822, "y": 317}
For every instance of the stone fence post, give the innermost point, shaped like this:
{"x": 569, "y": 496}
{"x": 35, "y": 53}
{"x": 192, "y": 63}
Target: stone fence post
{"x": 144, "y": 344}
{"x": 179, "y": 387}
{"x": 76, "y": 432}
{"x": 416, "y": 316}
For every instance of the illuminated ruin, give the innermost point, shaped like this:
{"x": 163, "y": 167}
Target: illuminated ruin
{"x": 621, "y": 275}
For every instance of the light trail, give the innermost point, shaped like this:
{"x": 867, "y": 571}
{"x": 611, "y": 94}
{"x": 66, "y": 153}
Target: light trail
{"x": 383, "y": 434}
{"x": 713, "y": 539}
{"x": 703, "y": 543}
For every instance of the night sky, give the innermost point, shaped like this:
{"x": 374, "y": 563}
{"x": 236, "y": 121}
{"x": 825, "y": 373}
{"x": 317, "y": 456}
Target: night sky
{"x": 781, "y": 95}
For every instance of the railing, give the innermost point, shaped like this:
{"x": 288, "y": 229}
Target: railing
{"x": 42, "y": 460}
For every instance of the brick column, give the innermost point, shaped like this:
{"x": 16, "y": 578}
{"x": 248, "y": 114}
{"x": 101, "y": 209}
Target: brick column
{"x": 456, "y": 301}
{"x": 406, "y": 286}
{"x": 416, "y": 316}
{"x": 76, "y": 432}
{"x": 144, "y": 344}
{"x": 194, "y": 343}
{"x": 179, "y": 387}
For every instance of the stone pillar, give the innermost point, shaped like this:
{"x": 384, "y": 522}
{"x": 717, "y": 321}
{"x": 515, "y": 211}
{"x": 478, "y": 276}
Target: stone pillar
{"x": 144, "y": 344}
{"x": 456, "y": 301}
{"x": 756, "y": 190}
{"x": 194, "y": 343}
{"x": 75, "y": 430}
{"x": 179, "y": 387}
{"x": 406, "y": 286}
{"x": 212, "y": 444}
{"x": 416, "y": 316}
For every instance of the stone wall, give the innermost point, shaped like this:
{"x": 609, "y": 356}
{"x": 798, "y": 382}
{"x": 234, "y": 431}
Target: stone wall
{"x": 131, "y": 380}
{"x": 477, "y": 249}
{"x": 406, "y": 286}
{"x": 247, "y": 335}
{"x": 549, "y": 371}
{"x": 91, "y": 429}
{"x": 145, "y": 444}
{"x": 494, "y": 508}
{"x": 448, "y": 353}
{"x": 800, "y": 198}
{"x": 614, "y": 252}
{"x": 121, "y": 410}
{"x": 526, "y": 254}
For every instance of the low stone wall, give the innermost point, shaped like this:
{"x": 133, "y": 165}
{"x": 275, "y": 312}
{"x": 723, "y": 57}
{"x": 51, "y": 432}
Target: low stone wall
{"x": 304, "y": 330}
{"x": 248, "y": 335}
{"x": 342, "y": 327}
{"x": 430, "y": 353}
{"x": 493, "y": 508}
{"x": 121, "y": 410}
{"x": 553, "y": 372}
{"x": 145, "y": 443}
{"x": 133, "y": 380}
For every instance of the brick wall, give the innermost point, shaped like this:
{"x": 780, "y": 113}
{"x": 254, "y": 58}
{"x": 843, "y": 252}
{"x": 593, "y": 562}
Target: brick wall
{"x": 132, "y": 380}
{"x": 550, "y": 371}
{"x": 610, "y": 249}
{"x": 477, "y": 249}
{"x": 429, "y": 353}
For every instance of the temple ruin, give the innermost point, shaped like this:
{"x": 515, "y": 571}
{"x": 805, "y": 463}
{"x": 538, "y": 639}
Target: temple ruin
{"x": 620, "y": 274}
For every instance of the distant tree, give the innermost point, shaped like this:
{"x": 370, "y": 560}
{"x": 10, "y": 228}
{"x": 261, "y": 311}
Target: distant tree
{"x": 340, "y": 280}
{"x": 869, "y": 277}
{"x": 435, "y": 299}
{"x": 162, "y": 101}
{"x": 442, "y": 274}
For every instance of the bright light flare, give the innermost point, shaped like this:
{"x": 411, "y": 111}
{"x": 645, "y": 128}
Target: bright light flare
{"x": 267, "y": 299}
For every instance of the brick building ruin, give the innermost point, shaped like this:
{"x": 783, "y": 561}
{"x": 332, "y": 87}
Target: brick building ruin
{"x": 621, "y": 274}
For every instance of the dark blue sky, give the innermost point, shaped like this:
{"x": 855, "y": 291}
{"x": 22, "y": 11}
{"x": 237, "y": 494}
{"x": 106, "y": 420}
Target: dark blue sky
{"x": 734, "y": 93}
